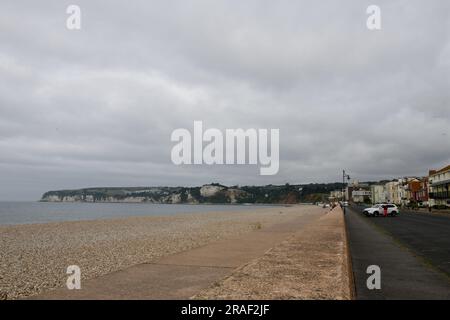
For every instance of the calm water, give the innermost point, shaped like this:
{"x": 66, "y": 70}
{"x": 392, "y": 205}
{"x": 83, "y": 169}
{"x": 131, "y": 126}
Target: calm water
{"x": 41, "y": 212}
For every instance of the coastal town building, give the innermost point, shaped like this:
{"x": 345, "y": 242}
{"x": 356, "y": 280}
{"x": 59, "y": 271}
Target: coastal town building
{"x": 412, "y": 189}
{"x": 402, "y": 191}
{"x": 438, "y": 182}
{"x": 392, "y": 192}
{"x": 422, "y": 194}
{"x": 348, "y": 193}
{"x": 361, "y": 196}
{"x": 378, "y": 193}
{"x": 432, "y": 190}
{"x": 336, "y": 195}
{"x": 408, "y": 186}
{"x": 360, "y": 192}
{"x": 399, "y": 191}
{"x": 418, "y": 191}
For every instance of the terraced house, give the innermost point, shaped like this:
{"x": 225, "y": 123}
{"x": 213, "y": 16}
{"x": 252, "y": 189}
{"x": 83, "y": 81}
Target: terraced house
{"x": 421, "y": 196}
{"x": 439, "y": 181}
{"x": 378, "y": 193}
{"x": 392, "y": 194}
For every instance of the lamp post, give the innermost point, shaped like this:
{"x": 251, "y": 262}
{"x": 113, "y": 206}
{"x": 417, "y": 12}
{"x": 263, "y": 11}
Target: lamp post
{"x": 344, "y": 176}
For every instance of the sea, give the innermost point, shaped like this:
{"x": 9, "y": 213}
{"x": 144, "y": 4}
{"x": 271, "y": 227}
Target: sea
{"x": 43, "y": 212}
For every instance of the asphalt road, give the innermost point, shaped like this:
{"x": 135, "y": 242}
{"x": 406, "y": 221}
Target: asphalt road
{"x": 412, "y": 251}
{"x": 427, "y": 235}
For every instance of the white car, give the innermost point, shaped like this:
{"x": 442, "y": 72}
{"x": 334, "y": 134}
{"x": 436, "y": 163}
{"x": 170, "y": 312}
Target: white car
{"x": 343, "y": 203}
{"x": 378, "y": 210}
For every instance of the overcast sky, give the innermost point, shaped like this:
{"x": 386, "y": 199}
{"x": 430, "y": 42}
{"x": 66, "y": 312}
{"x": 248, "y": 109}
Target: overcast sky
{"x": 97, "y": 106}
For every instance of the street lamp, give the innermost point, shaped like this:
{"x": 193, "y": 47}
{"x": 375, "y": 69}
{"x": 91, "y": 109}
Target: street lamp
{"x": 344, "y": 176}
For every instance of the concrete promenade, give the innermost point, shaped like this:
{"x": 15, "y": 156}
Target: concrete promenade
{"x": 190, "y": 273}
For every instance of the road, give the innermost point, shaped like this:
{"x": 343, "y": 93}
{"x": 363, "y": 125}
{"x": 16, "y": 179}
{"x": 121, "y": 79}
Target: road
{"x": 412, "y": 250}
{"x": 427, "y": 235}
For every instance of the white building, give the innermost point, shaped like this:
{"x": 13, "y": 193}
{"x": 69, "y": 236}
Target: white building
{"x": 378, "y": 192}
{"x": 439, "y": 185}
{"x": 336, "y": 195}
{"x": 360, "y": 196}
{"x": 392, "y": 192}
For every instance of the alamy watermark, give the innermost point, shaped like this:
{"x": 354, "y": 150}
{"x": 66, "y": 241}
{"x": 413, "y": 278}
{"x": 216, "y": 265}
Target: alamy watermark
{"x": 374, "y": 280}
{"x": 374, "y": 20}
{"x": 235, "y": 146}
{"x": 74, "y": 278}
{"x": 73, "y": 21}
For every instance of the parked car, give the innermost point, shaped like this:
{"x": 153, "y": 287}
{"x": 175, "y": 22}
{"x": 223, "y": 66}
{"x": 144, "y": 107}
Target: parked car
{"x": 343, "y": 203}
{"x": 378, "y": 210}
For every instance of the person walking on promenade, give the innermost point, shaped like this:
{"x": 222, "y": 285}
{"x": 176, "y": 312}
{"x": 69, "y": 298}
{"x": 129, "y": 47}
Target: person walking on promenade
{"x": 385, "y": 208}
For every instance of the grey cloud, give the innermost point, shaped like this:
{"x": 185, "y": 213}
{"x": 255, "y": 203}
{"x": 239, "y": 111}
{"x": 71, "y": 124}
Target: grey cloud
{"x": 97, "y": 106}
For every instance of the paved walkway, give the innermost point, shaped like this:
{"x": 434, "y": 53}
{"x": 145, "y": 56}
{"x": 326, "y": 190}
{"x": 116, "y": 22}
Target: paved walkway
{"x": 312, "y": 264}
{"x": 185, "y": 274}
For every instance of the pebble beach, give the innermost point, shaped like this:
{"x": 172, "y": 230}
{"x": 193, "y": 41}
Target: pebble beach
{"x": 34, "y": 257}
